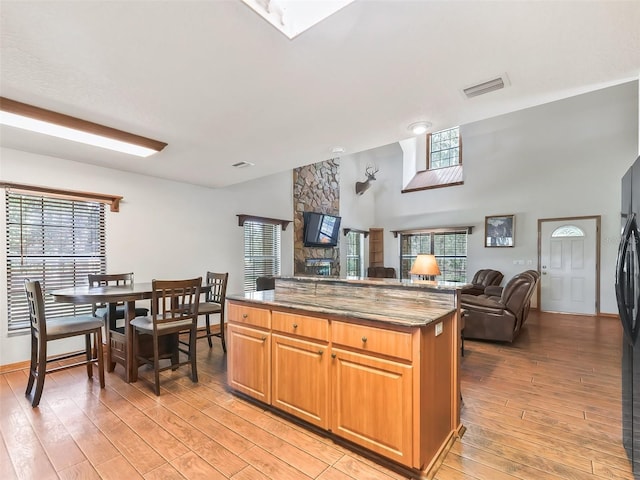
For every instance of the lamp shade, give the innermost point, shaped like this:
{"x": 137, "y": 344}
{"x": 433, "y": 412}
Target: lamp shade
{"x": 425, "y": 265}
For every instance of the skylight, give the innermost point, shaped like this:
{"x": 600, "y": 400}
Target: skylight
{"x": 293, "y": 17}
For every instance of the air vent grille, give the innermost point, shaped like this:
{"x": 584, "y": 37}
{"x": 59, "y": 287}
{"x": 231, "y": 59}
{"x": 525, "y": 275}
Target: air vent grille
{"x": 484, "y": 87}
{"x": 243, "y": 164}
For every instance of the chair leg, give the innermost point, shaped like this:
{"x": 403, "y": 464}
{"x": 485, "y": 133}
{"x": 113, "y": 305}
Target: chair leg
{"x": 100, "y": 355}
{"x": 224, "y": 345}
{"x": 34, "y": 364}
{"x": 89, "y": 354}
{"x": 192, "y": 351}
{"x": 208, "y": 330}
{"x": 42, "y": 369}
{"x": 134, "y": 354}
{"x": 156, "y": 366}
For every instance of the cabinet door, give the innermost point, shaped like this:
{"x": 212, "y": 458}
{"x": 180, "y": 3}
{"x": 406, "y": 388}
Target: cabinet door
{"x": 385, "y": 387}
{"x": 300, "y": 379}
{"x": 249, "y": 361}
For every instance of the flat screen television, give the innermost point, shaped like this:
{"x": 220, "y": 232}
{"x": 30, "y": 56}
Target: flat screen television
{"x": 320, "y": 229}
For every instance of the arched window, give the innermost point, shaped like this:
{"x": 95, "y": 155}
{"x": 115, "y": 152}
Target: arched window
{"x": 568, "y": 231}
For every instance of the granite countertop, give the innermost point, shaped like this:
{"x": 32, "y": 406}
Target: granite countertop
{"x": 405, "y": 313}
{"x": 382, "y": 282}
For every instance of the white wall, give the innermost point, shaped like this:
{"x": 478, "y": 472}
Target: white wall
{"x": 557, "y": 160}
{"x": 164, "y": 229}
{"x": 561, "y": 159}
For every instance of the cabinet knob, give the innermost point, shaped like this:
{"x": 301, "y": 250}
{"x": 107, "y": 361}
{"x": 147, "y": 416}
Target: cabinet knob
{"x": 364, "y": 339}
{"x": 295, "y": 325}
{"x": 333, "y": 355}
{"x": 245, "y": 315}
{"x": 320, "y": 352}
{"x": 264, "y": 338}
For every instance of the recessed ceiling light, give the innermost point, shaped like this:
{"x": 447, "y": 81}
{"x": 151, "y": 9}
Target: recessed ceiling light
{"x": 35, "y": 119}
{"x": 337, "y": 150}
{"x": 418, "y": 128}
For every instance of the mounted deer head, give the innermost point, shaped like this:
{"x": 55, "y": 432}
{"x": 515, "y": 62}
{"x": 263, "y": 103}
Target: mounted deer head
{"x": 362, "y": 187}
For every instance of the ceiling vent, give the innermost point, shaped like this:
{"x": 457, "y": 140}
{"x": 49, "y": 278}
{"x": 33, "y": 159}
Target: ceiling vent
{"x": 484, "y": 87}
{"x": 243, "y": 164}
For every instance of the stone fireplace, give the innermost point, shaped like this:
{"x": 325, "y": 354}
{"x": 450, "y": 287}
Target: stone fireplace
{"x": 316, "y": 188}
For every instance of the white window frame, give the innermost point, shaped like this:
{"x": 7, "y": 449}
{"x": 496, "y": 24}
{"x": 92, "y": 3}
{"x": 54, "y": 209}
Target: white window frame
{"x": 355, "y": 240}
{"x": 428, "y": 245}
{"x": 262, "y": 251}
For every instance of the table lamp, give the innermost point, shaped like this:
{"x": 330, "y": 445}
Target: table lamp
{"x": 425, "y": 266}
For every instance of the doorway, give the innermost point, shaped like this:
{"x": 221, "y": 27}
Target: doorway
{"x": 569, "y": 265}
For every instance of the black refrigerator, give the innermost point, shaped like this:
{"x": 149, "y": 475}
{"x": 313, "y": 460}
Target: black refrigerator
{"x": 628, "y": 297}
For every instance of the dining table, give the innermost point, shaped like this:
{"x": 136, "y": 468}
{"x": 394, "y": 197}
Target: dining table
{"x": 119, "y": 340}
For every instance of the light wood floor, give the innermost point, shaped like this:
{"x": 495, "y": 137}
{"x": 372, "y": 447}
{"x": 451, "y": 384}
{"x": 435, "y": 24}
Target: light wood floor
{"x": 546, "y": 407}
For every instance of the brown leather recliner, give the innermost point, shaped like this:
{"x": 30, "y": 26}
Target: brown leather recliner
{"x": 481, "y": 280}
{"x": 493, "y": 291}
{"x": 499, "y": 318}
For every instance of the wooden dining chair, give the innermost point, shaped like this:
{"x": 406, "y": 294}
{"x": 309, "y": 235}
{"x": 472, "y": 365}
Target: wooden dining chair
{"x": 174, "y": 311}
{"x": 101, "y": 310}
{"x": 44, "y": 330}
{"x": 213, "y": 304}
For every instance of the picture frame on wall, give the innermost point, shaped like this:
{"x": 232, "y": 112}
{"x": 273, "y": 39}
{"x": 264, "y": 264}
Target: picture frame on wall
{"x": 499, "y": 231}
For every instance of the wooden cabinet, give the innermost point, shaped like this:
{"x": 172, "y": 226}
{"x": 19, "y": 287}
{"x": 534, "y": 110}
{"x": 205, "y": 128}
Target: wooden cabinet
{"x": 300, "y": 367}
{"x": 377, "y": 374}
{"x": 392, "y": 390}
{"x": 385, "y": 425}
{"x": 376, "y": 247}
{"x": 249, "y": 352}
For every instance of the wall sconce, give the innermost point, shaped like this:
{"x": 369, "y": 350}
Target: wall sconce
{"x": 35, "y": 119}
{"x": 362, "y": 187}
{"x": 425, "y": 266}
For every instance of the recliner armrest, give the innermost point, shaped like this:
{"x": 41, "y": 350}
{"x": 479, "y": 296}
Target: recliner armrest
{"x": 493, "y": 291}
{"x": 481, "y": 303}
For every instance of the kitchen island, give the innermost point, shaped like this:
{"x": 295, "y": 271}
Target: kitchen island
{"x": 373, "y": 362}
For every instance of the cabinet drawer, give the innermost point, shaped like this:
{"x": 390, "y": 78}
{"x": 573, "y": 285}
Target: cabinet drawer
{"x": 240, "y": 313}
{"x": 372, "y": 339}
{"x": 310, "y": 327}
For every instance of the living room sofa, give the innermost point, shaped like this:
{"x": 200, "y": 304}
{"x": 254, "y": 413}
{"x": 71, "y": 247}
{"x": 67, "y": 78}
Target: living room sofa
{"x": 499, "y": 318}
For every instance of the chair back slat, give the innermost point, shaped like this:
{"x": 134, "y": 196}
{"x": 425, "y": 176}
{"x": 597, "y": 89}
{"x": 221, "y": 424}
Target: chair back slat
{"x": 218, "y": 292}
{"x": 104, "y": 279}
{"x": 36, "y": 307}
{"x": 175, "y": 300}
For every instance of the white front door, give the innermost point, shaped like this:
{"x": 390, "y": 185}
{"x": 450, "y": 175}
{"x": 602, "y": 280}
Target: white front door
{"x": 568, "y": 266}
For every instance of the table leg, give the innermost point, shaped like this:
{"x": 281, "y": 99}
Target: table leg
{"x": 110, "y": 325}
{"x": 130, "y": 314}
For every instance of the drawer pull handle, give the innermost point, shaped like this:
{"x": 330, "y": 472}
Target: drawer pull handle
{"x": 245, "y": 315}
{"x": 295, "y": 325}
{"x": 264, "y": 338}
{"x": 364, "y": 339}
{"x": 320, "y": 352}
{"x": 333, "y": 355}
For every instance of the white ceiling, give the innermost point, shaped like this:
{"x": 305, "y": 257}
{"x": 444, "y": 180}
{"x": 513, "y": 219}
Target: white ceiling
{"x": 220, "y": 85}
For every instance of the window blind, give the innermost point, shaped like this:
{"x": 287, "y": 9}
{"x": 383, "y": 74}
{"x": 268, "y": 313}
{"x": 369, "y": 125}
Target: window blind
{"x": 53, "y": 240}
{"x": 261, "y": 252}
{"x": 449, "y": 248}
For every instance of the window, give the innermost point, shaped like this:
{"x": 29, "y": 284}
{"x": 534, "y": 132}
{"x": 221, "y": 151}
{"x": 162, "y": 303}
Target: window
{"x": 568, "y": 231}
{"x": 355, "y": 265}
{"x": 450, "y": 249}
{"x": 261, "y": 252}
{"x": 444, "y": 162}
{"x": 443, "y": 149}
{"x": 56, "y": 241}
